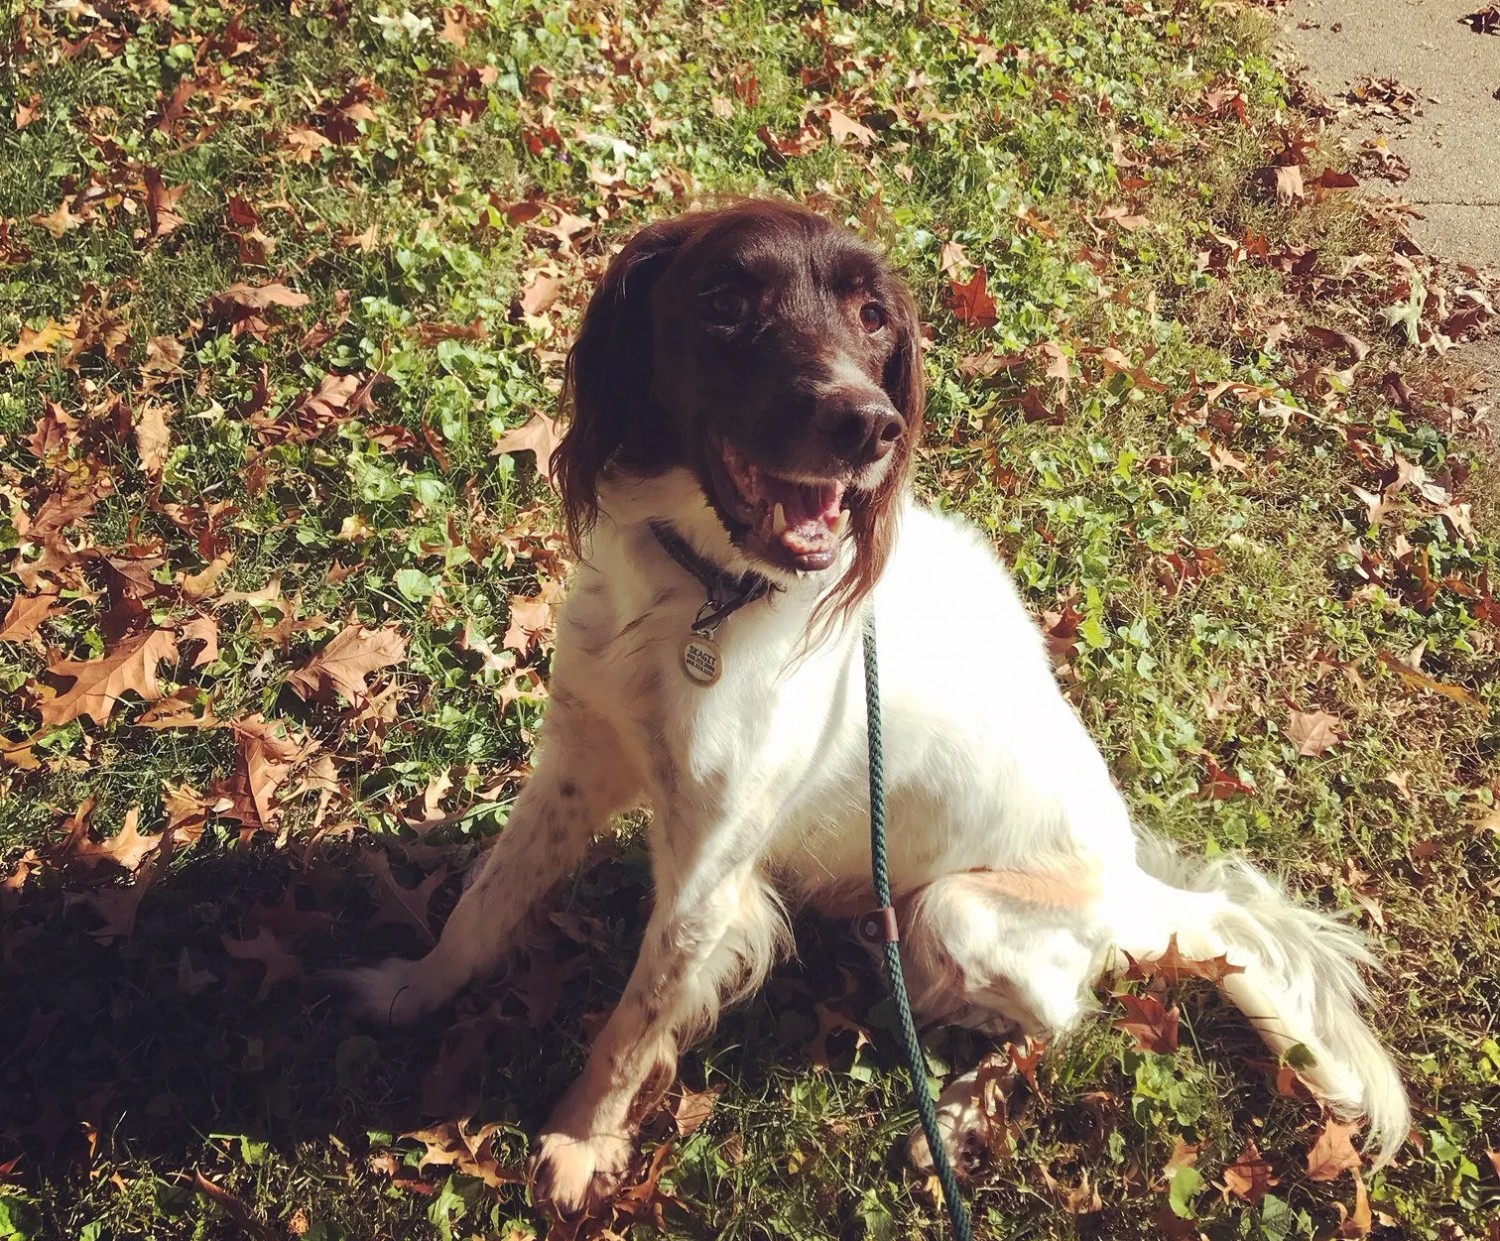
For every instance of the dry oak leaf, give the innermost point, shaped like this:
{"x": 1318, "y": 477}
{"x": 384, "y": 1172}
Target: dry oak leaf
{"x": 1249, "y": 1177}
{"x": 530, "y": 618}
{"x": 1173, "y": 966}
{"x": 280, "y": 965}
{"x": 98, "y": 684}
{"x": 26, "y": 614}
{"x": 842, "y": 127}
{"x": 152, "y": 439}
{"x": 346, "y": 660}
{"x": 1313, "y": 733}
{"x": 1333, "y": 1153}
{"x": 266, "y": 757}
{"x": 240, "y": 296}
{"x": 401, "y": 905}
{"x": 692, "y": 1108}
{"x": 1286, "y": 180}
{"x": 127, "y": 848}
{"x": 450, "y": 1145}
{"x": 971, "y": 303}
{"x": 1153, "y": 1026}
{"x": 539, "y": 434}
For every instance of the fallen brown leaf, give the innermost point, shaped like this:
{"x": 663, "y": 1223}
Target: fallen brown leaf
{"x": 280, "y": 965}
{"x": 1314, "y": 733}
{"x": 346, "y": 660}
{"x": 1333, "y": 1154}
{"x": 971, "y": 303}
{"x": 1148, "y": 1022}
{"x": 1249, "y": 1178}
{"x": 99, "y": 684}
{"x": 26, "y": 614}
{"x": 539, "y": 435}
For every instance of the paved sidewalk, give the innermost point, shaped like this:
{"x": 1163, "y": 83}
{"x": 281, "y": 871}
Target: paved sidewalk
{"x": 1452, "y": 138}
{"x": 1449, "y": 134}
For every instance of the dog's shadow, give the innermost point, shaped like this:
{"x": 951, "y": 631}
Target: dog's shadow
{"x": 209, "y": 1029}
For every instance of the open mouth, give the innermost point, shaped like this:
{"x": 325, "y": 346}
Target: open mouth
{"x": 796, "y": 522}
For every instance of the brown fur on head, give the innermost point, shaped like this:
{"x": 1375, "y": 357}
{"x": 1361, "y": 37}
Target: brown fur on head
{"x": 772, "y": 353}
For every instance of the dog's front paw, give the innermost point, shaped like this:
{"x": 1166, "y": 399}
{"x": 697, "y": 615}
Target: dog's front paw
{"x": 963, "y": 1128}
{"x": 578, "y": 1176}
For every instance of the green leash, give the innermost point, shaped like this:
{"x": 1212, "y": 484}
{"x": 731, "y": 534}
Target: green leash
{"x": 881, "y": 926}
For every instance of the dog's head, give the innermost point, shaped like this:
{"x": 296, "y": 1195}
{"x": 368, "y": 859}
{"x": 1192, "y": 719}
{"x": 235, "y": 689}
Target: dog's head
{"x": 774, "y": 355}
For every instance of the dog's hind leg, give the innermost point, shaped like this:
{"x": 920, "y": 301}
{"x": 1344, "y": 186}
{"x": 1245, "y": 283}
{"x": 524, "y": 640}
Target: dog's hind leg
{"x": 582, "y": 778}
{"x": 999, "y": 952}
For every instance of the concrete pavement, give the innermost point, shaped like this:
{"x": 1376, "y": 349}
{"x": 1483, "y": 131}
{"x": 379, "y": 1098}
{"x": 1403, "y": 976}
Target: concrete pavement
{"x": 1449, "y": 135}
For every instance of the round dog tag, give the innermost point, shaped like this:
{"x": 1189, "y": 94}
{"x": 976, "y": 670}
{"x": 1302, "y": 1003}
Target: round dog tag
{"x": 701, "y": 659}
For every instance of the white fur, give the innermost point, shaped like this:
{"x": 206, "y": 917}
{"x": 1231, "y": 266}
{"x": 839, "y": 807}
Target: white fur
{"x": 759, "y": 791}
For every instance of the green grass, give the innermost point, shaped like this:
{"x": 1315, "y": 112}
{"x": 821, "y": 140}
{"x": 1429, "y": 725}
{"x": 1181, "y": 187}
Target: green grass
{"x": 128, "y": 1064}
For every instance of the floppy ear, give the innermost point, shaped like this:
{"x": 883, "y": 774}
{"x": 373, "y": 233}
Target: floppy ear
{"x": 608, "y": 384}
{"x": 874, "y": 522}
{"x": 903, "y": 381}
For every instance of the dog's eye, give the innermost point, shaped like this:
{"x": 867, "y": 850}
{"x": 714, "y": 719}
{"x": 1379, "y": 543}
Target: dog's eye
{"x": 872, "y": 317}
{"x": 727, "y": 306}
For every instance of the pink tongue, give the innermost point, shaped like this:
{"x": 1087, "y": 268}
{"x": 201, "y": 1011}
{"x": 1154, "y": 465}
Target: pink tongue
{"x": 810, "y": 510}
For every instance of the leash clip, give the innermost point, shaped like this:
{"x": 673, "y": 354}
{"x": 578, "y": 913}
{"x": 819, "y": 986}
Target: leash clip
{"x": 878, "y": 927}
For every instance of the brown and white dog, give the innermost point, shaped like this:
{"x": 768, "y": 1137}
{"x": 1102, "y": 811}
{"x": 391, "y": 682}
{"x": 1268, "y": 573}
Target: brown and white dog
{"x": 746, "y": 394}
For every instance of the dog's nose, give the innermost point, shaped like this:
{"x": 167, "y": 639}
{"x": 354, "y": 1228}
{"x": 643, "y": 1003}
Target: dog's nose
{"x": 862, "y": 431}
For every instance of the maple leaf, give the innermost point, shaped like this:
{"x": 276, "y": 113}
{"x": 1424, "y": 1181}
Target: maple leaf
{"x": 39, "y": 340}
{"x": 1249, "y": 1177}
{"x": 1333, "y": 1153}
{"x": 187, "y": 708}
{"x": 60, "y": 222}
{"x": 196, "y": 585}
{"x": 1334, "y": 338}
{"x": 831, "y": 1023}
{"x": 1286, "y": 180}
{"x": 239, "y": 299}
{"x": 1153, "y": 1026}
{"x": 952, "y": 259}
{"x": 971, "y": 303}
{"x": 539, "y": 435}
{"x": 98, "y": 684}
{"x": 27, "y": 112}
{"x": 120, "y": 907}
{"x": 346, "y": 660}
{"x": 1485, "y": 20}
{"x": 204, "y": 629}
{"x": 1313, "y": 733}
{"x": 1118, "y": 215}
{"x": 26, "y": 614}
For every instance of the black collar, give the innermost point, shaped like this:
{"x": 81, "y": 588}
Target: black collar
{"x": 727, "y": 592}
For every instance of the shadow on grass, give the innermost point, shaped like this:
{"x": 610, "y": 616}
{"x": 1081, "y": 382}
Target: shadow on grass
{"x": 205, "y": 1034}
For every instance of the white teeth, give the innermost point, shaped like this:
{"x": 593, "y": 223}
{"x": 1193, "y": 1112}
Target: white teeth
{"x": 841, "y": 523}
{"x": 778, "y": 521}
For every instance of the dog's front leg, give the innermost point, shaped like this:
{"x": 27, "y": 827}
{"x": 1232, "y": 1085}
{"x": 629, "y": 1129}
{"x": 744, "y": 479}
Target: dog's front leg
{"x": 582, "y": 777}
{"x": 704, "y": 943}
